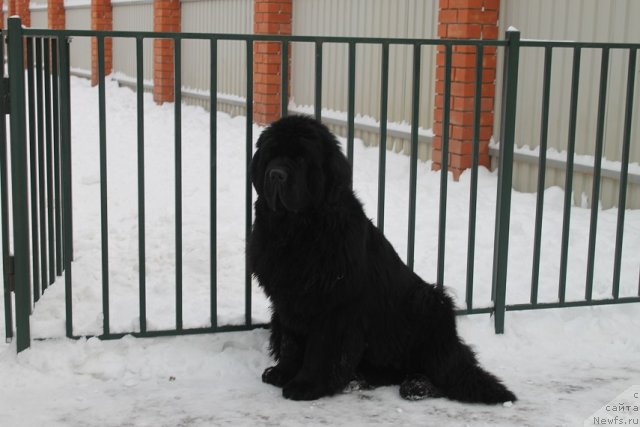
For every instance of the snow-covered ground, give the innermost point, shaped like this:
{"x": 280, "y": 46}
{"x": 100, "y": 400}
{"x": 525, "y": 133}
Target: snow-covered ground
{"x": 563, "y": 364}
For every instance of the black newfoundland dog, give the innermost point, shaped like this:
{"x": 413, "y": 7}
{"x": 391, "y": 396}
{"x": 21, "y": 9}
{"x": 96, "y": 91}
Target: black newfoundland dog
{"x": 344, "y": 305}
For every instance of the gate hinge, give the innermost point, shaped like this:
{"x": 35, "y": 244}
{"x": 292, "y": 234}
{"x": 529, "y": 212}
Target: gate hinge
{"x": 5, "y": 101}
{"x": 11, "y": 273}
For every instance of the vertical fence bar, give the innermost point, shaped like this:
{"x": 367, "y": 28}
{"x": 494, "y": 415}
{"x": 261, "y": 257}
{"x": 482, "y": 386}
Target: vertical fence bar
{"x": 213, "y": 185}
{"x": 595, "y": 194}
{"x": 142, "y": 256}
{"x": 65, "y": 160}
{"x": 178, "y": 158}
{"x": 104, "y": 220}
{"x": 248, "y": 189}
{"x": 444, "y": 164}
{"x": 624, "y": 172}
{"x": 351, "y": 101}
{"x": 568, "y": 185}
{"x": 33, "y": 168}
{"x": 70, "y": 153}
{"x": 382, "y": 154}
{"x": 41, "y": 166}
{"x": 413, "y": 165}
{"x": 318, "y": 81}
{"x": 49, "y": 160}
{"x": 4, "y": 200}
{"x": 19, "y": 184}
{"x": 284, "y": 103}
{"x": 473, "y": 193}
{"x": 56, "y": 154}
{"x": 503, "y": 208}
{"x": 542, "y": 170}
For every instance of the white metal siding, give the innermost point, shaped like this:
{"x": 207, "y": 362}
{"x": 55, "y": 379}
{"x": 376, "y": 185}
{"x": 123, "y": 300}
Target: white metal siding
{"x": 135, "y": 16}
{"x": 39, "y": 16}
{"x": 581, "y": 20}
{"x": 216, "y": 16}
{"x": 365, "y": 18}
{"x": 79, "y": 18}
{"x": 585, "y": 21}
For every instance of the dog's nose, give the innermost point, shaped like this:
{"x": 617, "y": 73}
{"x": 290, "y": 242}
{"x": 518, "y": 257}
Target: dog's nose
{"x": 278, "y": 175}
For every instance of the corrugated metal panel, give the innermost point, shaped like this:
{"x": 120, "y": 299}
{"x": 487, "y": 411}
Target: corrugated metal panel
{"x": 134, "y": 16}
{"x": 365, "y": 18}
{"x": 217, "y": 16}
{"x": 39, "y": 17}
{"x": 578, "y": 20}
{"x": 79, "y": 18}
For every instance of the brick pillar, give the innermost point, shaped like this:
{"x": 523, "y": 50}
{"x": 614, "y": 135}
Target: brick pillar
{"x": 166, "y": 18}
{"x": 22, "y": 10}
{"x": 465, "y": 19}
{"x": 102, "y": 20}
{"x": 12, "y": 7}
{"x": 55, "y": 14}
{"x": 2, "y": 14}
{"x": 270, "y": 17}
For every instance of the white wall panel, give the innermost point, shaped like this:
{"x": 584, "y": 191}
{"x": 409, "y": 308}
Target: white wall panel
{"x": 365, "y": 18}
{"x": 216, "y": 16}
{"x": 39, "y": 17}
{"x": 132, "y": 16}
{"x": 79, "y": 18}
{"x": 583, "y": 21}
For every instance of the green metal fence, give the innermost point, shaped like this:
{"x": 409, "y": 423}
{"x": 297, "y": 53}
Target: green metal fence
{"x": 37, "y": 242}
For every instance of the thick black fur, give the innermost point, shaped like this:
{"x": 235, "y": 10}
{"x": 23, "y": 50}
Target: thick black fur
{"x": 344, "y": 305}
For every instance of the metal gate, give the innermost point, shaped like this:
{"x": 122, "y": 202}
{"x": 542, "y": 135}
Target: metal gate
{"x": 37, "y": 222}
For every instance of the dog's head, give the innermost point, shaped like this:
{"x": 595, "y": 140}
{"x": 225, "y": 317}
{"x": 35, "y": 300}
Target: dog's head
{"x": 298, "y": 166}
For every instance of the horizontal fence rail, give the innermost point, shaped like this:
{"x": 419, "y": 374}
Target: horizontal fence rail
{"x": 43, "y": 235}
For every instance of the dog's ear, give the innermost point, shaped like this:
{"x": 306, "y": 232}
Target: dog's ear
{"x": 253, "y": 171}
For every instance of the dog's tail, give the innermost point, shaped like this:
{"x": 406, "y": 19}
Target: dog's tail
{"x": 465, "y": 380}
{"x": 451, "y": 366}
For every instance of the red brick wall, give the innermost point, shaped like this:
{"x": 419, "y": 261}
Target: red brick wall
{"x": 270, "y": 17}
{"x": 166, "y": 18}
{"x": 55, "y": 14}
{"x": 1, "y": 14}
{"x": 22, "y": 10}
{"x": 465, "y": 19}
{"x": 101, "y": 19}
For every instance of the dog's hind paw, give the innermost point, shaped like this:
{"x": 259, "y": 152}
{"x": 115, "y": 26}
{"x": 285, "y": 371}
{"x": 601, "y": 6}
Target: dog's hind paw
{"x": 417, "y": 388}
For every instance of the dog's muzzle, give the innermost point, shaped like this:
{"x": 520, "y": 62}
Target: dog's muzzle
{"x": 276, "y": 178}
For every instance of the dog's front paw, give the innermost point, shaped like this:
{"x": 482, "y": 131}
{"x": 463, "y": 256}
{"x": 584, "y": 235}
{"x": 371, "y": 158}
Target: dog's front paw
{"x": 276, "y": 376}
{"x": 303, "y": 390}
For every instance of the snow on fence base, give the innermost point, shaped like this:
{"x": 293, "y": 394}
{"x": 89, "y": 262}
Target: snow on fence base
{"x": 86, "y": 194}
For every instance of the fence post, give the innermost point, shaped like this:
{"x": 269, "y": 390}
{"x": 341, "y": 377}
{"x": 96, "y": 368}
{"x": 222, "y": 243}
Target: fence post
{"x": 56, "y": 14}
{"x": 465, "y": 19}
{"x": 101, "y": 20}
{"x": 7, "y": 262}
{"x": 270, "y": 17}
{"x": 19, "y": 184}
{"x": 65, "y": 178}
{"x": 23, "y": 11}
{"x": 505, "y": 170}
{"x": 166, "y": 18}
